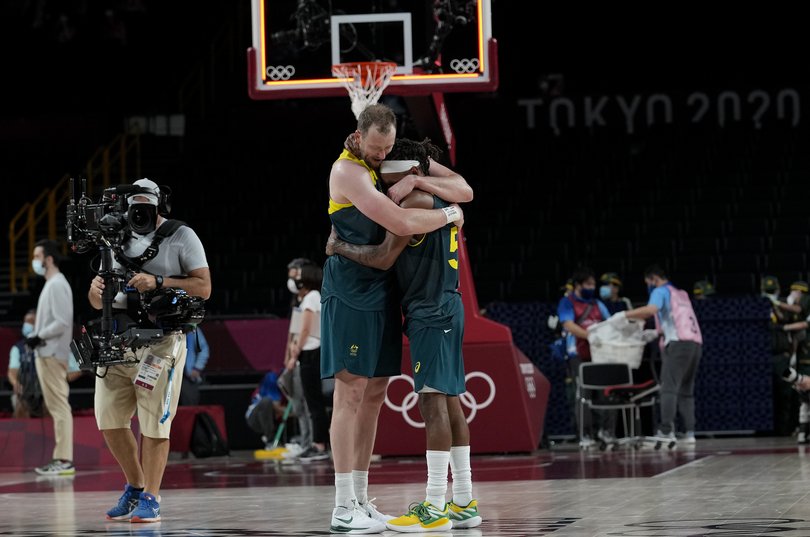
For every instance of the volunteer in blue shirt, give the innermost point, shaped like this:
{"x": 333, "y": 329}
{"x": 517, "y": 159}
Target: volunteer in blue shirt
{"x": 682, "y": 348}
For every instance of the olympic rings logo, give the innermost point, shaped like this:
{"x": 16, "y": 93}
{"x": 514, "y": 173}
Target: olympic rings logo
{"x": 280, "y": 72}
{"x": 464, "y": 65}
{"x": 467, "y": 399}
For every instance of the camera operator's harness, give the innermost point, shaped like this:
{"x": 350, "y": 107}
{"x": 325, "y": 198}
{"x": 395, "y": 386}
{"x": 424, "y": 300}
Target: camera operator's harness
{"x": 166, "y": 229}
{"x": 135, "y": 264}
{"x": 108, "y": 348}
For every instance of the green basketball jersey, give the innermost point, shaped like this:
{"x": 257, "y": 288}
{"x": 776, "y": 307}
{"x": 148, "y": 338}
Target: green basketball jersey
{"x": 360, "y": 287}
{"x": 427, "y": 274}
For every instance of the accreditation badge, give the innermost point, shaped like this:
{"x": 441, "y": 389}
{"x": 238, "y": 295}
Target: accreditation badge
{"x": 149, "y": 372}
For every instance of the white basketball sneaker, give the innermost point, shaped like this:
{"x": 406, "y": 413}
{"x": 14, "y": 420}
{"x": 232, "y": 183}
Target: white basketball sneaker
{"x": 354, "y": 520}
{"x": 372, "y": 511}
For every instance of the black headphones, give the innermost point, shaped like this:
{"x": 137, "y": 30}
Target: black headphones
{"x": 164, "y": 201}
{"x": 163, "y": 194}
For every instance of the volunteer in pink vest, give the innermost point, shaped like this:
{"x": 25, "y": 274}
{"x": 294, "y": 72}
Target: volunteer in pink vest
{"x": 681, "y": 349}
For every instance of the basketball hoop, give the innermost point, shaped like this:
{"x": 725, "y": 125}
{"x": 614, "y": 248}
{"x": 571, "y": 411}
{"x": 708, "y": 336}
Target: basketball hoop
{"x": 365, "y": 81}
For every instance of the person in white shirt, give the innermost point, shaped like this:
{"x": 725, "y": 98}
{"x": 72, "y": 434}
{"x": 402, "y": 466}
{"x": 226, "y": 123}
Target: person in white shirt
{"x": 305, "y": 348}
{"x": 50, "y": 340}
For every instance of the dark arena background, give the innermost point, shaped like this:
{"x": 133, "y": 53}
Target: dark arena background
{"x": 591, "y": 138}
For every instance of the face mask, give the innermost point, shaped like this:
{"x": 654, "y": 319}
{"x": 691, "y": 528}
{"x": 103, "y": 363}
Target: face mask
{"x": 794, "y": 297}
{"x": 291, "y": 287}
{"x": 773, "y": 296}
{"x": 605, "y": 292}
{"x": 38, "y": 267}
{"x": 27, "y": 329}
{"x": 587, "y": 293}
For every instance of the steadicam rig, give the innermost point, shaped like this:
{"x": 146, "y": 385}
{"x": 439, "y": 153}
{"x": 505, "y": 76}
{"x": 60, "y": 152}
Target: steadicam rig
{"x": 106, "y": 225}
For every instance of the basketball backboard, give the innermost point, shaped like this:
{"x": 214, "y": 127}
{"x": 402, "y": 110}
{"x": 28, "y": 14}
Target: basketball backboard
{"x": 438, "y": 45}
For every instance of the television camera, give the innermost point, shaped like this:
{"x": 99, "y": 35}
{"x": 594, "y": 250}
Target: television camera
{"x": 107, "y": 225}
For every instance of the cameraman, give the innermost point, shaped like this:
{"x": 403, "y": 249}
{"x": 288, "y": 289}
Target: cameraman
{"x": 117, "y": 397}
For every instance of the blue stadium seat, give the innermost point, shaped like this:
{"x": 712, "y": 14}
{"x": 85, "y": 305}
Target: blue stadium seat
{"x": 735, "y": 283}
{"x": 743, "y": 244}
{"x": 789, "y": 241}
{"x": 783, "y": 224}
{"x": 705, "y": 227}
{"x": 693, "y": 263}
{"x": 736, "y": 262}
{"x": 748, "y": 226}
{"x": 785, "y": 261}
{"x": 698, "y": 246}
{"x": 663, "y": 248}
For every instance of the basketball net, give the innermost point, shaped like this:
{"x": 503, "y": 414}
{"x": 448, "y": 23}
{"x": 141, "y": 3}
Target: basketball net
{"x": 365, "y": 81}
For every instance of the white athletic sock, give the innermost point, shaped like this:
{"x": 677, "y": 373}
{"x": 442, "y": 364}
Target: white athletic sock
{"x": 462, "y": 475}
{"x": 344, "y": 490}
{"x": 360, "y": 480}
{"x": 437, "y": 462}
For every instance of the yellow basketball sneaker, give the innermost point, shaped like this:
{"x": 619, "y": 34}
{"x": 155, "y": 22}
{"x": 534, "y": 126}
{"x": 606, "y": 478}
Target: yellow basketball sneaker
{"x": 421, "y": 517}
{"x": 464, "y": 517}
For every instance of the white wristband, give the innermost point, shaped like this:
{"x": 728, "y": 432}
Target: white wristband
{"x": 452, "y": 213}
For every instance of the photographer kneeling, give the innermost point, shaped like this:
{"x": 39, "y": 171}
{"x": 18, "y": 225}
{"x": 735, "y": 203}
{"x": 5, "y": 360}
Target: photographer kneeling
{"x": 156, "y": 371}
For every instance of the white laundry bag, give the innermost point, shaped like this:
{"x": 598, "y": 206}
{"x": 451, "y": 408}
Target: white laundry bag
{"x": 619, "y": 340}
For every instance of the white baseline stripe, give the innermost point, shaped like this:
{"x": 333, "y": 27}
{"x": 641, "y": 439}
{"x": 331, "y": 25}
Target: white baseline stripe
{"x": 687, "y": 465}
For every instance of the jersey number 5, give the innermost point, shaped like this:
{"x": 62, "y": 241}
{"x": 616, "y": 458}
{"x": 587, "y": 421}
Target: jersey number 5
{"x": 454, "y": 247}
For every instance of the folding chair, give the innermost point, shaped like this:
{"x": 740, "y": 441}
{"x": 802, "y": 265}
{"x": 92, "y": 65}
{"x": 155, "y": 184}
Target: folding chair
{"x": 610, "y": 386}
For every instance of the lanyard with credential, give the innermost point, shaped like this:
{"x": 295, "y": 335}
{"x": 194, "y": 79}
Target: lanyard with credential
{"x": 167, "y": 403}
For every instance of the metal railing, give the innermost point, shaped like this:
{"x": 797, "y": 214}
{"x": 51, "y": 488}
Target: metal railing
{"x": 107, "y": 157}
{"x": 24, "y": 228}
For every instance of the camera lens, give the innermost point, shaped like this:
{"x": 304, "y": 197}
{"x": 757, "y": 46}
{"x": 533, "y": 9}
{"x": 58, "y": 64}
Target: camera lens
{"x": 142, "y": 218}
{"x": 139, "y": 218}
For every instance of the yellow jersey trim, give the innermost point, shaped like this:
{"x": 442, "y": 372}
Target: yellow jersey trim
{"x": 417, "y": 243}
{"x": 347, "y": 155}
{"x": 335, "y": 206}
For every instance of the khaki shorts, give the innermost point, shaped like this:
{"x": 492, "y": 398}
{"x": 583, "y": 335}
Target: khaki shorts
{"x": 117, "y": 398}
